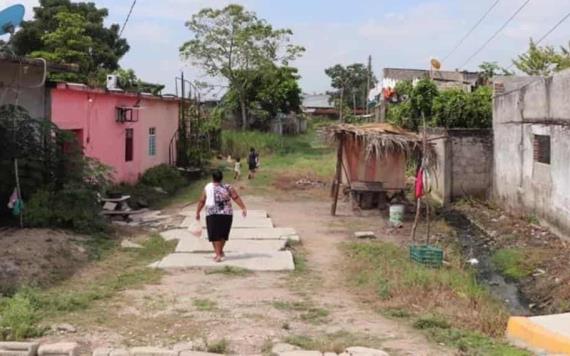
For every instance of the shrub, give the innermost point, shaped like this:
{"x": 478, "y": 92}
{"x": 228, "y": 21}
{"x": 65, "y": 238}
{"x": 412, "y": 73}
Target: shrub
{"x": 18, "y": 318}
{"x": 74, "y": 207}
{"x": 163, "y": 176}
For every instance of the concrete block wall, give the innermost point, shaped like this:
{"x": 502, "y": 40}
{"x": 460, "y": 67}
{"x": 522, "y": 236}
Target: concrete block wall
{"x": 540, "y": 106}
{"x": 465, "y": 163}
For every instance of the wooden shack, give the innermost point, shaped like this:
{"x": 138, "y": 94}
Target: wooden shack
{"x": 372, "y": 161}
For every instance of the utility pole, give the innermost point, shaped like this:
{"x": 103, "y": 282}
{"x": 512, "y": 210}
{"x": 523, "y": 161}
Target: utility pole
{"x": 368, "y": 80}
{"x": 341, "y": 99}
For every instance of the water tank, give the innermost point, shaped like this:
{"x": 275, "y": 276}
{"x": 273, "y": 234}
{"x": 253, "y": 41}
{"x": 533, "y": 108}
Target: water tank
{"x": 112, "y": 82}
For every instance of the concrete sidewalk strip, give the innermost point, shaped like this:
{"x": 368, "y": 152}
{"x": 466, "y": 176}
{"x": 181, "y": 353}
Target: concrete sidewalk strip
{"x": 199, "y": 245}
{"x": 550, "y": 333}
{"x": 265, "y": 233}
{"x": 272, "y": 233}
{"x": 238, "y": 222}
{"x": 262, "y": 261}
{"x": 237, "y": 213}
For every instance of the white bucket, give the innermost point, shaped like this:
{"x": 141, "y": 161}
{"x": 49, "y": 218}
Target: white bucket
{"x": 397, "y": 214}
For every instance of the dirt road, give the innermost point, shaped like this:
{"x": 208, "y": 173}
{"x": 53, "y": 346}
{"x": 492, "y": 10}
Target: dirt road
{"x": 244, "y": 313}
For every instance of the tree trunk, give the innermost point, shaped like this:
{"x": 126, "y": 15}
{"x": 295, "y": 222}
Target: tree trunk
{"x": 243, "y": 113}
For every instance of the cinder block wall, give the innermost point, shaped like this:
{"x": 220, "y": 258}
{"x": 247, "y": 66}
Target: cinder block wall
{"x": 465, "y": 163}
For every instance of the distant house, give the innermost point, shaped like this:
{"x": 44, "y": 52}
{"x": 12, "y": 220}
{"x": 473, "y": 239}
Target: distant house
{"x": 443, "y": 79}
{"x": 319, "y": 105}
{"x": 531, "y": 121}
{"x": 129, "y": 132}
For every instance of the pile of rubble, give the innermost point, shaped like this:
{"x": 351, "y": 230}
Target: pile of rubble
{"x": 152, "y": 219}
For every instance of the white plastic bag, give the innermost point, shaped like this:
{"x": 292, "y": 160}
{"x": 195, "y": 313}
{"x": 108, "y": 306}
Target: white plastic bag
{"x": 195, "y": 228}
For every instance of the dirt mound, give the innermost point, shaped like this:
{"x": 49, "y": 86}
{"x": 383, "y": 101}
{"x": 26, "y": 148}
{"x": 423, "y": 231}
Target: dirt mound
{"x": 38, "y": 257}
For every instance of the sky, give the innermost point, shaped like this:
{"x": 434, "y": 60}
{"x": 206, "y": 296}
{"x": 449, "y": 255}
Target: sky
{"x": 396, "y": 33}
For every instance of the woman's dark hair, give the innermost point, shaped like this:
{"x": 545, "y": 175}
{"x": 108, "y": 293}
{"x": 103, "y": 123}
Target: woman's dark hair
{"x": 217, "y": 176}
{"x": 252, "y": 149}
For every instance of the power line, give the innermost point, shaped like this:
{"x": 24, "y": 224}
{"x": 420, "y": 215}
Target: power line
{"x": 471, "y": 30}
{"x": 496, "y": 33}
{"x": 128, "y": 17}
{"x": 548, "y": 33}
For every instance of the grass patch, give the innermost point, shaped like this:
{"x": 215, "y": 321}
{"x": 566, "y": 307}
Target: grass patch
{"x": 230, "y": 271}
{"x": 392, "y": 281}
{"x": 221, "y": 346}
{"x": 514, "y": 263}
{"x": 397, "y": 313}
{"x": 467, "y": 342}
{"x": 336, "y": 342}
{"x": 315, "y": 315}
{"x": 116, "y": 271}
{"x": 292, "y": 306}
{"x": 205, "y": 304}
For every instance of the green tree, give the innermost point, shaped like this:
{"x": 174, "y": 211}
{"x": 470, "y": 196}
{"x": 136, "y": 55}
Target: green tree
{"x": 105, "y": 50}
{"x": 68, "y": 43}
{"x": 491, "y": 69}
{"x": 271, "y": 90}
{"x": 351, "y": 82}
{"x": 542, "y": 61}
{"x": 458, "y": 109}
{"x": 233, "y": 43}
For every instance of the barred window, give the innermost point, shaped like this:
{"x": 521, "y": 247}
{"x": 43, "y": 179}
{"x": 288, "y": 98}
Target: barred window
{"x": 541, "y": 146}
{"x": 152, "y": 141}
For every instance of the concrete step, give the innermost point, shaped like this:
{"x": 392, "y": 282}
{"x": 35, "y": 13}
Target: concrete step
{"x": 262, "y": 261}
{"x": 201, "y": 245}
{"x": 239, "y": 222}
{"x": 547, "y": 333}
{"x": 271, "y": 233}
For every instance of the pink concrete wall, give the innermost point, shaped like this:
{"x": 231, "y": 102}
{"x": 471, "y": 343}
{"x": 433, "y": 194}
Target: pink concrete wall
{"x": 93, "y": 111}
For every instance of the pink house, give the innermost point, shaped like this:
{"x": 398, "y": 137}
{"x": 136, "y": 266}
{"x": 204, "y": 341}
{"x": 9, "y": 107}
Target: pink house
{"x": 127, "y": 131}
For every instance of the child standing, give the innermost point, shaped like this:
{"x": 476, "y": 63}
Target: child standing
{"x": 237, "y": 169}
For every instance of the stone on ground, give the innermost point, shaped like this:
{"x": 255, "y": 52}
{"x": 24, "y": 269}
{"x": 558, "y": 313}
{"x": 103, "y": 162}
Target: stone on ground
{"x": 301, "y": 353}
{"x": 283, "y": 347}
{"x": 265, "y": 261}
{"x": 59, "y": 349}
{"x": 365, "y": 351}
{"x": 364, "y": 235}
{"x": 152, "y": 351}
{"x": 200, "y": 245}
{"x": 18, "y": 348}
{"x": 130, "y": 244}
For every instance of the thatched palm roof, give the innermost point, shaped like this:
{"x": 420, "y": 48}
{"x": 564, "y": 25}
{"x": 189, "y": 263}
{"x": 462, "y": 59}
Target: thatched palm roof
{"x": 383, "y": 139}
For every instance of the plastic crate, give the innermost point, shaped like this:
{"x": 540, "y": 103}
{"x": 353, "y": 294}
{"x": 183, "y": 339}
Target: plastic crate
{"x": 427, "y": 255}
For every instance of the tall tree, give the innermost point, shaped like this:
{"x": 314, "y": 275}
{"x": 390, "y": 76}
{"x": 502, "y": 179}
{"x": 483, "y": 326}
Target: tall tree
{"x": 351, "y": 83}
{"x": 542, "y": 60}
{"x": 106, "y": 47}
{"x": 68, "y": 43}
{"x": 232, "y": 43}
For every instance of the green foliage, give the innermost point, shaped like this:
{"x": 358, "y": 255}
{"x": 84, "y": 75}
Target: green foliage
{"x": 56, "y": 33}
{"x": 543, "y": 60}
{"x": 449, "y": 108}
{"x": 458, "y": 109}
{"x": 129, "y": 81}
{"x": 163, "y": 176}
{"x": 18, "y": 318}
{"x": 74, "y": 207}
{"x": 269, "y": 90}
{"x": 68, "y": 44}
{"x": 59, "y": 183}
{"x": 352, "y": 80}
{"x": 491, "y": 69}
{"x": 513, "y": 263}
{"x": 234, "y": 43}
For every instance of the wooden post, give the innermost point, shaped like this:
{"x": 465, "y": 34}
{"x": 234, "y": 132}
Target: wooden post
{"x": 338, "y": 178}
{"x": 417, "y": 218}
{"x": 18, "y": 191}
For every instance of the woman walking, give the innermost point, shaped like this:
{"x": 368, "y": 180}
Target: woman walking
{"x": 217, "y": 198}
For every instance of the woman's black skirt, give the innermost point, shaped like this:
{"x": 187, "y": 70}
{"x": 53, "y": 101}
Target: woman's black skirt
{"x": 219, "y": 227}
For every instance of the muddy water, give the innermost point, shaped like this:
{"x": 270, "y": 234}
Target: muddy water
{"x": 474, "y": 244}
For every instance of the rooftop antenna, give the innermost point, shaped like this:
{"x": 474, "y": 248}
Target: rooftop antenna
{"x": 10, "y": 18}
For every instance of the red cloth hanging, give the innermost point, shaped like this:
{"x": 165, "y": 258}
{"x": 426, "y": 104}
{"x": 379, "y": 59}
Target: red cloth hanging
{"x": 420, "y": 184}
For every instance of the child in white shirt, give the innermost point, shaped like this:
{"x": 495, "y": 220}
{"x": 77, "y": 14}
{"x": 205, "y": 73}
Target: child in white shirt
{"x": 237, "y": 169}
